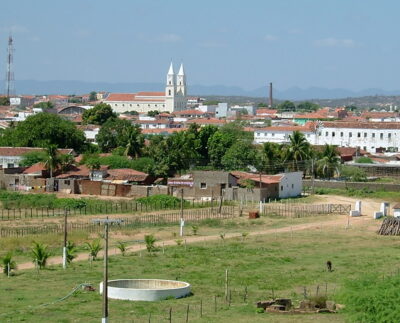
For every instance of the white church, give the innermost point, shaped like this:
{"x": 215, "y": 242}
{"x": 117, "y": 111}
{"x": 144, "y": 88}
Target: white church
{"x": 173, "y": 99}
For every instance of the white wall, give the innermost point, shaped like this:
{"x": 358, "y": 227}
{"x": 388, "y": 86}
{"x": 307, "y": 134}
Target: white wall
{"x": 291, "y": 185}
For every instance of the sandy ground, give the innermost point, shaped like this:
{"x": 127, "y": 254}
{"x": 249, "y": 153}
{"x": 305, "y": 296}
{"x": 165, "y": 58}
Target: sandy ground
{"x": 340, "y": 222}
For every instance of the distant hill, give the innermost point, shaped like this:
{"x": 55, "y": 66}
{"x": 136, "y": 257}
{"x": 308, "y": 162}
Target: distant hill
{"x": 294, "y": 93}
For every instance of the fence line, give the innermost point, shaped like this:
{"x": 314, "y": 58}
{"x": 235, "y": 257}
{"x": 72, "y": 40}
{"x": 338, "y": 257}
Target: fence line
{"x": 297, "y": 210}
{"x": 7, "y": 214}
{"x": 136, "y": 221}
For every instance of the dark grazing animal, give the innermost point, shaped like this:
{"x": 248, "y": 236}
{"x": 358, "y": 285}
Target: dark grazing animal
{"x": 329, "y": 265}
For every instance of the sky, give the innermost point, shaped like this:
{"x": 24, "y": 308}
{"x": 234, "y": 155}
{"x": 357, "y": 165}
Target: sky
{"x": 351, "y": 44}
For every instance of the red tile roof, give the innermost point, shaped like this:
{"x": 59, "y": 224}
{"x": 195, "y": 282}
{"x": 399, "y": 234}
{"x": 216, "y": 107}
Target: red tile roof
{"x": 201, "y": 121}
{"x": 162, "y": 131}
{"x": 266, "y": 179}
{"x": 121, "y": 97}
{"x": 150, "y": 94}
{"x": 189, "y": 112}
{"x": 287, "y": 128}
{"x": 19, "y": 151}
{"x": 375, "y": 115}
{"x": 37, "y": 168}
{"x": 266, "y": 111}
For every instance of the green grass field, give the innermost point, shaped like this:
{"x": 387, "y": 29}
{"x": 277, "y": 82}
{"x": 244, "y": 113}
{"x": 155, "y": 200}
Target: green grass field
{"x": 277, "y": 264}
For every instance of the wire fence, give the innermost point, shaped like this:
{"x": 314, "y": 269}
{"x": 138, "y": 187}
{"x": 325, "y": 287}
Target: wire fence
{"x": 296, "y": 210}
{"x": 137, "y": 221}
{"x": 128, "y": 207}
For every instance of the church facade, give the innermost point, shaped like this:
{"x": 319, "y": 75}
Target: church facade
{"x": 172, "y": 99}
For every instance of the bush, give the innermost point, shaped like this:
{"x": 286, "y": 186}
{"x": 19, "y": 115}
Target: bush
{"x": 372, "y": 299}
{"x": 161, "y": 200}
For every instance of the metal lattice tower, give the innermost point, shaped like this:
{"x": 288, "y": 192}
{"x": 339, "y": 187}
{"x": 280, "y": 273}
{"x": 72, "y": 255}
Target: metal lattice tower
{"x": 10, "y": 74}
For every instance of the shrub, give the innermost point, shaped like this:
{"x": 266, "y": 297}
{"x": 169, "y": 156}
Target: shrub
{"x": 8, "y": 263}
{"x": 94, "y": 248}
{"x": 40, "y": 254}
{"x": 122, "y": 247}
{"x": 195, "y": 229}
{"x": 71, "y": 251}
{"x": 150, "y": 241}
{"x": 162, "y": 200}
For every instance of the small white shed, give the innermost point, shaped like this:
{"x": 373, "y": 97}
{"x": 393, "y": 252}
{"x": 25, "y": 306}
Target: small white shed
{"x": 396, "y": 210}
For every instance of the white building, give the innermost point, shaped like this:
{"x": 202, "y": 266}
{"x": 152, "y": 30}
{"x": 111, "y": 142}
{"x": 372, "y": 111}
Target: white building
{"x": 172, "y": 99}
{"x": 291, "y": 184}
{"x": 280, "y": 135}
{"x": 368, "y": 136}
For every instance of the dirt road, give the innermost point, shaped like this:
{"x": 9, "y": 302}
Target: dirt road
{"x": 340, "y": 222}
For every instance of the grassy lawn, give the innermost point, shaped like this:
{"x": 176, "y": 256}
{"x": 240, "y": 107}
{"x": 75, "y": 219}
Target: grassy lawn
{"x": 363, "y": 193}
{"x": 280, "y": 264}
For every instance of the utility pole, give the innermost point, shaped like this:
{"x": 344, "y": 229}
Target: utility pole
{"x": 312, "y": 176}
{"x": 106, "y": 223}
{"x": 65, "y": 240}
{"x": 10, "y": 73}
{"x": 260, "y": 186}
{"x": 182, "y": 222}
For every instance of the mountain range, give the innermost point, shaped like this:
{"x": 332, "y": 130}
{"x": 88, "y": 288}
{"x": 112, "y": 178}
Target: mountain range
{"x": 293, "y": 93}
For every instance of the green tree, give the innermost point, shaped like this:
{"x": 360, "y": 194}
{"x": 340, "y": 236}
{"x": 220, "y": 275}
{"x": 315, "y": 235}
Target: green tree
{"x": 239, "y": 156}
{"x": 99, "y": 114}
{"x": 93, "y": 96}
{"x": 204, "y": 134}
{"x": 353, "y": 174}
{"x": 94, "y": 248}
{"x": 270, "y": 158}
{"x": 329, "y": 162}
{"x": 120, "y": 133}
{"x": 8, "y": 263}
{"x": 40, "y": 254}
{"x": 4, "y": 100}
{"x": 308, "y": 106}
{"x": 153, "y": 113}
{"x": 71, "y": 251}
{"x": 122, "y": 247}
{"x": 32, "y": 158}
{"x": 297, "y": 151}
{"x": 65, "y": 161}
{"x": 150, "y": 241}
{"x": 44, "y": 105}
{"x": 44, "y": 129}
{"x": 52, "y": 161}
{"x": 286, "y": 106}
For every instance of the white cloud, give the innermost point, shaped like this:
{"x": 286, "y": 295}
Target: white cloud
{"x": 14, "y": 29}
{"x": 270, "y": 37}
{"x": 169, "y": 38}
{"x": 335, "y": 42}
{"x": 212, "y": 44}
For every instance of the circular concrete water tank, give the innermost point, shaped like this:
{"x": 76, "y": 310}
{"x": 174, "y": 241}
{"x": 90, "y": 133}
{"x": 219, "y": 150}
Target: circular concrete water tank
{"x": 146, "y": 289}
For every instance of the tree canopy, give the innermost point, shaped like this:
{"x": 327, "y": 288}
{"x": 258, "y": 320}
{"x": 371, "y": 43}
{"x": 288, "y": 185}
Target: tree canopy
{"x": 42, "y": 130}
{"x": 4, "y": 100}
{"x": 286, "y": 106}
{"x": 44, "y": 105}
{"x": 99, "y": 114}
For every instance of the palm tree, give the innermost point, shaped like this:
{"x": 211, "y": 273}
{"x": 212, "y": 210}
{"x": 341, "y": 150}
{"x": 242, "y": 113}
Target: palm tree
{"x": 93, "y": 248}
{"x": 329, "y": 163}
{"x": 8, "y": 263}
{"x": 51, "y": 161}
{"x": 270, "y": 156}
{"x": 298, "y": 149}
{"x": 150, "y": 240}
{"x": 92, "y": 164}
{"x": 40, "y": 254}
{"x": 122, "y": 247}
{"x": 71, "y": 251}
{"x": 66, "y": 161}
{"x": 134, "y": 142}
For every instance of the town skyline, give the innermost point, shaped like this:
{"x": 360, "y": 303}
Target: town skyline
{"x": 292, "y": 44}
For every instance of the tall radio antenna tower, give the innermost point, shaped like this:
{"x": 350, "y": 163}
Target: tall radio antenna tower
{"x": 10, "y": 74}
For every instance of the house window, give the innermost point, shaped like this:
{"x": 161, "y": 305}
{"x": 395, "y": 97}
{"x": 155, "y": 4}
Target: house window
{"x": 273, "y": 135}
{"x": 389, "y": 135}
{"x": 341, "y": 134}
{"x": 203, "y": 186}
{"x": 365, "y": 135}
{"x": 365, "y": 147}
{"x": 169, "y": 92}
{"x": 373, "y": 135}
{"x": 350, "y": 134}
{"x": 326, "y": 134}
{"x": 281, "y": 187}
{"x": 333, "y": 134}
{"x": 67, "y": 182}
{"x": 359, "y": 134}
{"x": 381, "y": 135}
{"x": 10, "y": 165}
{"x": 292, "y": 186}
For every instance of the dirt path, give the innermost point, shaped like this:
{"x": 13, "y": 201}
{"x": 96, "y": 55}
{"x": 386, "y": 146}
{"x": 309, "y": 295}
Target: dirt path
{"x": 342, "y": 222}
{"x": 368, "y": 206}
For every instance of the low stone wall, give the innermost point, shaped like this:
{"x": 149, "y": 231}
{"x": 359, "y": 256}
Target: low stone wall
{"x": 353, "y": 185}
